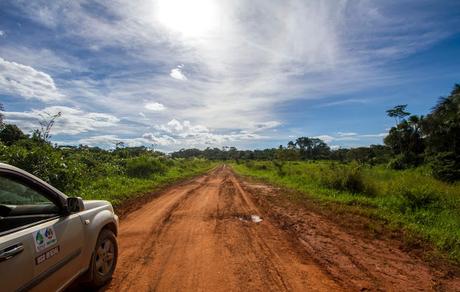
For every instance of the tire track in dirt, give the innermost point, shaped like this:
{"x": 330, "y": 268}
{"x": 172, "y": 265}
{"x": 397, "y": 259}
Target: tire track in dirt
{"x": 196, "y": 238}
{"x": 356, "y": 261}
{"x": 147, "y": 231}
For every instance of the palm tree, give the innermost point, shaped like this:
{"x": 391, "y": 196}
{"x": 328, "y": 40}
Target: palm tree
{"x": 398, "y": 112}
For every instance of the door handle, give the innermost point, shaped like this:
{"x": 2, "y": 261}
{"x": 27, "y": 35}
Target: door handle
{"x": 11, "y": 251}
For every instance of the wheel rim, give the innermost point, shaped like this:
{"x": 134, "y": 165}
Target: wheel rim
{"x": 105, "y": 257}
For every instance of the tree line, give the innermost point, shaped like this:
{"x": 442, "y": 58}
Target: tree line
{"x": 433, "y": 139}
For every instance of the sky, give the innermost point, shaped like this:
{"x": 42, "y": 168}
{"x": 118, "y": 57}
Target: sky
{"x": 172, "y": 74}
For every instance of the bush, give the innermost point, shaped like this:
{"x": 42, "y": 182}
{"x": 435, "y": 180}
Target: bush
{"x": 261, "y": 167}
{"x": 404, "y": 161}
{"x": 10, "y": 134}
{"x": 415, "y": 194}
{"x": 46, "y": 163}
{"x": 347, "y": 178}
{"x": 446, "y": 166}
{"x": 279, "y": 165}
{"x": 144, "y": 167}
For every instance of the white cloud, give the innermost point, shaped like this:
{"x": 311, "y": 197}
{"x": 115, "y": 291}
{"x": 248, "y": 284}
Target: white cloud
{"x": 155, "y": 106}
{"x": 43, "y": 59}
{"x": 259, "y": 56}
{"x": 2, "y": 33}
{"x": 183, "y": 129}
{"x": 187, "y": 134}
{"x": 326, "y": 138}
{"x": 265, "y": 126}
{"x": 162, "y": 140}
{"x": 351, "y": 137}
{"x": 335, "y": 147}
{"x": 72, "y": 121}
{"x": 25, "y": 81}
{"x": 343, "y": 101}
{"x": 177, "y": 73}
{"x": 110, "y": 141}
{"x": 344, "y": 134}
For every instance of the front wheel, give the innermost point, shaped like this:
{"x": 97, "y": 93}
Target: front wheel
{"x": 104, "y": 258}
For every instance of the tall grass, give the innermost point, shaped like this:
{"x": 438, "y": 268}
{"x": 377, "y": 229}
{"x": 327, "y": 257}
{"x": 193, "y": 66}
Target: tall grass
{"x": 145, "y": 167}
{"x": 411, "y": 199}
{"x": 142, "y": 176}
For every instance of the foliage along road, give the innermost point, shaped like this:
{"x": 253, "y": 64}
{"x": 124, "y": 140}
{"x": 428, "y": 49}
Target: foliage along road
{"x": 199, "y": 236}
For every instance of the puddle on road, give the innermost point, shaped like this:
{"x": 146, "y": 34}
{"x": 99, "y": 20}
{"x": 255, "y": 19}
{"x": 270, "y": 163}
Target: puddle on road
{"x": 252, "y": 218}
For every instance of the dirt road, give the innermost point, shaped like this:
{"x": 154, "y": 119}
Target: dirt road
{"x": 200, "y": 236}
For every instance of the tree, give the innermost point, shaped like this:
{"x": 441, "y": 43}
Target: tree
{"x": 286, "y": 154}
{"x": 46, "y": 124}
{"x": 311, "y": 148}
{"x": 406, "y": 142}
{"x": 398, "y": 112}
{"x": 304, "y": 144}
{"x": 10, "y": 134}
{"x": 442, "y": 130}
{"x": 405, "y": 139}
{"x": 442, "y": 125}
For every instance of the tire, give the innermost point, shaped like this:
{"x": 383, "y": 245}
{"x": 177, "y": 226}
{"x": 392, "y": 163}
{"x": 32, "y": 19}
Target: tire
{"x": 104, "y": 259}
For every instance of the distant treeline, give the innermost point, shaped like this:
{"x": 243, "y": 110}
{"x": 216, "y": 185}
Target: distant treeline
{"x": 304, "y": 148}
{"x": 432, "y": 139}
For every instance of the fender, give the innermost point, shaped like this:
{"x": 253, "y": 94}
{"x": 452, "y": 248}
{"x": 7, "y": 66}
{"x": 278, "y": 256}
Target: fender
{"x": 94, "y": 220}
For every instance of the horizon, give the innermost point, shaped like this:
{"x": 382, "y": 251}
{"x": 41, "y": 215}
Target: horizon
{"x": 176, "y": 74}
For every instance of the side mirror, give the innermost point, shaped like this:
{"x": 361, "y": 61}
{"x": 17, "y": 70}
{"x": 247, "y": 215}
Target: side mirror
{"x": 75, "y": 204}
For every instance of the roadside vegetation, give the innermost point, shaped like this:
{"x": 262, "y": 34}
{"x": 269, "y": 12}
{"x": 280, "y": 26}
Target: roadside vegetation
{"x": 412, "y": 199}
{"x": 91, "y": 172}
{"x": 431, "y": 140}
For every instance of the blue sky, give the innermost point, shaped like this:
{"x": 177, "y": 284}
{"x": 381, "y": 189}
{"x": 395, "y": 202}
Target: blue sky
{"x": 251, "y": 74}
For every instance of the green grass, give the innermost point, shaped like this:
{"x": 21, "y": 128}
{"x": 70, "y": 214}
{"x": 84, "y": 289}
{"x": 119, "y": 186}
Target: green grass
{"x": 411, "y": 200}
{"x": 117, "y": 188}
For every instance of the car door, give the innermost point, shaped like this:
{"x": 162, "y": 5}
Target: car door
{"x": 39, "y": 244}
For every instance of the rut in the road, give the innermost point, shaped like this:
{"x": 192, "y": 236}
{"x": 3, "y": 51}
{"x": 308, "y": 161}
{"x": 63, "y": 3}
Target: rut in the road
{"x": 192, "y": 239}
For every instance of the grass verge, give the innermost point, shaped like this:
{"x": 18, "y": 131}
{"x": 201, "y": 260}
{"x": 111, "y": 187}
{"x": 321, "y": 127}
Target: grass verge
{"x": 412, "y": 200}
{"x": 119, "y": 188}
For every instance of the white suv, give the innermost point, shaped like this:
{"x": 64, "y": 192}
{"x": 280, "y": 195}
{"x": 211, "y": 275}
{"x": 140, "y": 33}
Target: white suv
{"x": 47, "y": 239}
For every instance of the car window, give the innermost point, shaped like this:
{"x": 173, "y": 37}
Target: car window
{"x": 16, "y": 193}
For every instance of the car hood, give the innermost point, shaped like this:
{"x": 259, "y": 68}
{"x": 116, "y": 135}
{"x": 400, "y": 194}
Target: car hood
{"x": 91, "y": 204}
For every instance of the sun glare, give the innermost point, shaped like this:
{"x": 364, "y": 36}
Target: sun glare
{"x": 190, "y": 18}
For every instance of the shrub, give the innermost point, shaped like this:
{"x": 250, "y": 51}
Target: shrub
{"x": 397, "y": 163}
{"x": 278, "y": 164}
{"x": 10, "y": 134}
{"x": 347, "y": 178}
{"x": 446, "y": 166}
{"x": 405, "y": 160}
{"x": 261, "y": 167}
{"x": 144, "y": 167}
{"x": 249, "y": 163}
{"x": 46, "y": 163}
{"x": 415, "y": 193}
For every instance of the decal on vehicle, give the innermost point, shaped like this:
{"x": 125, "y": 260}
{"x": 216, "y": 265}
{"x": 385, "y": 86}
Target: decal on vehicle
{"x": 47, "y": 255}
{"x": 44, "y": 238}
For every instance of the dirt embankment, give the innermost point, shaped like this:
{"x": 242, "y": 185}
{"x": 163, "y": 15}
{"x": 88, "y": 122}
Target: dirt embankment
{"x": 200, "y": 236}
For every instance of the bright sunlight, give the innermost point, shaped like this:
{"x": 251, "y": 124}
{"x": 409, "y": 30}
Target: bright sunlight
{"x": 189, "y": 18}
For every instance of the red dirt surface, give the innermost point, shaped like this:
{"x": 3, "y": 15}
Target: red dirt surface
{"x": 199, "y": 236}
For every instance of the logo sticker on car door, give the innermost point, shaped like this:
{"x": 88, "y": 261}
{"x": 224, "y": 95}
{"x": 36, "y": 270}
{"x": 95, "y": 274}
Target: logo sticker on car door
{"x": 44, "y": 238}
